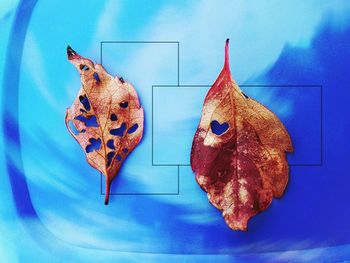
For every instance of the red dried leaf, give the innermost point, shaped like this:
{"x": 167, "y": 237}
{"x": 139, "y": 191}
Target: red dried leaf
{"x": 106, "y": 117}
{"x": 238, "y": 152}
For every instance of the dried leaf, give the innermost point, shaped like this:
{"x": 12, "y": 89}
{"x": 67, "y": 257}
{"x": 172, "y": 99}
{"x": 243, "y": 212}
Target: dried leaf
{"x": 238, "y": 152}
{"x": 106, "y": 117}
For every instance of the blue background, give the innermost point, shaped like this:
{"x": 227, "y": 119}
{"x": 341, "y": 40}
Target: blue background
{"x": 51, "y": 206}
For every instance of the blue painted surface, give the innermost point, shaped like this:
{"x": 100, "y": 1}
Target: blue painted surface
{"x": 52, "y": 209}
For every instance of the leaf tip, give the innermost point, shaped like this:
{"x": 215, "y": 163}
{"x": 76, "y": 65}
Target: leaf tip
{"x": 227, "y": 64}
{"x": 70, "y": 52}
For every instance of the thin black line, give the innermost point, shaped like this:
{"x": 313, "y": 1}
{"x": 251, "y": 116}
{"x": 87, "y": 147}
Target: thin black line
{"x": 282, "y": 86}
{"x": 245, "y": 85}
{"x": 166, "y": 164}
{"x": 101, "y": 184}
{"x": 175, "y": 86}
{"x": 152, "y": 126}
{"x": 140, "y": 42}
{"x": 305, "y": 164}
{"x": 178, "y": 63}
{"x": 291, "y": 164}
{"x": 321, "y": 125}
{"x": 171, "y": 164}
{"x": 178, "y": 179}
{"x": 143, "y": 193}
{"x": 101, "y": 53}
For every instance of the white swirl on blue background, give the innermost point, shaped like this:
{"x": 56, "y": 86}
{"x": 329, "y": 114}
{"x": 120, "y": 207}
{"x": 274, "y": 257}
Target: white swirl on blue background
{"x": 50, "y": 197}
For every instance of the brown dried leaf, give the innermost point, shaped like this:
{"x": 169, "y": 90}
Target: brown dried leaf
{"x": 238, "y": 152}
{"x": 107, "y": 116}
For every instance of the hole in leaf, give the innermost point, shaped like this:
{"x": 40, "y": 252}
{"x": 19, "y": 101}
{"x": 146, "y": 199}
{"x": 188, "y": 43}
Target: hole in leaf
{"x": 119, "y": 131}
{"x": 118, "y": 157}
{"x": 110, "y": 144}
{"x": 218, "y": 128}
{"x": 90, "y": 121}
{"x": 83, "y": 130}
{"x": 83, "y": 67}
{"x": 84, "y": 100}
{"x": 96, "y": 76}
{"x": 113, "y": 117}
{"x": 125, "y": 150}
{"x": 133, "y": 128}
{"x": 124, "y": 104}
{"x": 245, "y": 95}
{"x": 95, "y": 144}
{"x": 72, "y": 127}
{"x": 109, "y": 158}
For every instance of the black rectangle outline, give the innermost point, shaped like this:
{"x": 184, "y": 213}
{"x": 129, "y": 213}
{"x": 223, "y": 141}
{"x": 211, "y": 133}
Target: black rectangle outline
{"x": 320, "y": 87}
{"x": 178, "y": 83}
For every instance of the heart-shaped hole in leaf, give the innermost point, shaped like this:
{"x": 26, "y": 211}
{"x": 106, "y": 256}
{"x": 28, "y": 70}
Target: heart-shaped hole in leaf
{"x": 218, "y": 128}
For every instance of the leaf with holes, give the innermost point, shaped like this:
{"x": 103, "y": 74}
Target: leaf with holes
{"x": 106, "y": 117}
{"x": 238, "y": 152}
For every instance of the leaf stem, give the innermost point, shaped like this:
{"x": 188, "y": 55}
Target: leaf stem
{"x": 108, "y": 184}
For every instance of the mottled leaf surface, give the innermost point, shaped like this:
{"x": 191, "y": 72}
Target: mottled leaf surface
{"x": 106, "y": 117}
{"x": 238, "y": 152}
